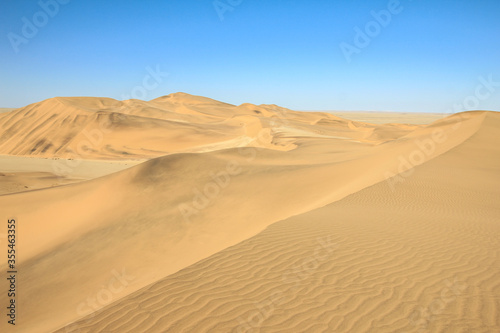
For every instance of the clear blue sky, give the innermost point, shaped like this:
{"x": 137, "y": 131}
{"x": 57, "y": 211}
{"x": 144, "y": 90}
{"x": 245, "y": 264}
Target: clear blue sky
{"x": 427, "y": 58}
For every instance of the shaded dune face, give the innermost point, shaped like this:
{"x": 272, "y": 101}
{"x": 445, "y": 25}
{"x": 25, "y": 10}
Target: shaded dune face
{"x": 270, "y": 221}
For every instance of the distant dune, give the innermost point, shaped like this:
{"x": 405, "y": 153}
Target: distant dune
{"x": 201, "y": 216}
{"x": 375, "y": 117}
{"x": 103, "y": 128}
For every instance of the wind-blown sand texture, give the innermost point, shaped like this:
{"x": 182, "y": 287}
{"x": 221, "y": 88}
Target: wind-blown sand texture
{"x": 208, "y": 217}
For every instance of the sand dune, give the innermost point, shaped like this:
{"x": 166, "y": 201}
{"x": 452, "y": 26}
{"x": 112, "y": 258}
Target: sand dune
{"x": 2, "y": 110}
{"x": 375, "y": 117}
{"x": 103, "y": 128}
{"x": 260, "y": 219}
{"x": 98, "y": 129}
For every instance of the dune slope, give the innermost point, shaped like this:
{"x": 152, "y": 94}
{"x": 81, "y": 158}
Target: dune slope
{"x": 321, "y": 216}
{"x": 421, "y": 257}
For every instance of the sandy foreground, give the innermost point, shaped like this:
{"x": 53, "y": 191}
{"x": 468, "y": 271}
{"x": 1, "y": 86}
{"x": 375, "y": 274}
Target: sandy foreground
{"x": 186, "y": 214}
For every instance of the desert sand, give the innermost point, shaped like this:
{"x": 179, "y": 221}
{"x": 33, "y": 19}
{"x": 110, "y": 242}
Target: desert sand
{"x": 376, "y": 117}
{"x": 186, "y": 214}
{"x": 6, "y": 109}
